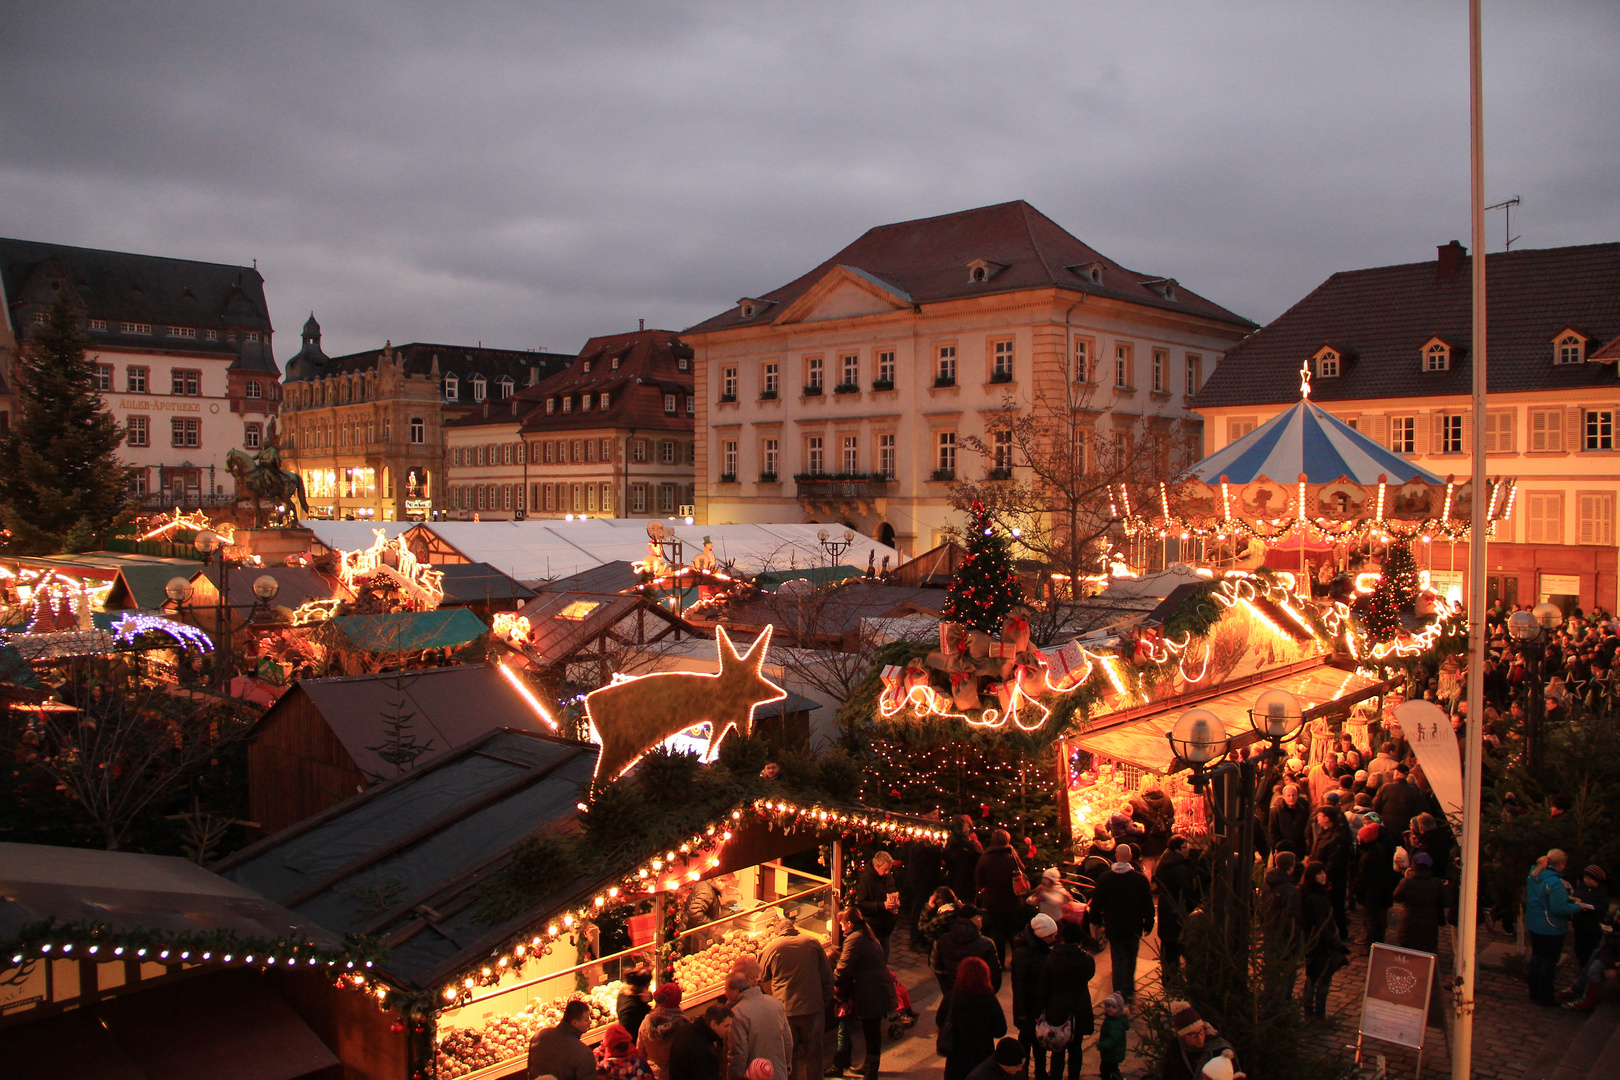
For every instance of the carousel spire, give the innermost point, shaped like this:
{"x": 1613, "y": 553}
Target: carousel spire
{"x": 1304, "y": 380}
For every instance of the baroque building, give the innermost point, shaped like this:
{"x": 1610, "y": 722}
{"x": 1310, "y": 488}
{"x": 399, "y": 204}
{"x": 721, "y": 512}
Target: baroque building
{"x": 1389, "y": 351}
{"x": 609, "y": 435}
{"x": 851, "y": 393}
{"x": 182, "y": 354}
{"x": 365, "y": 431}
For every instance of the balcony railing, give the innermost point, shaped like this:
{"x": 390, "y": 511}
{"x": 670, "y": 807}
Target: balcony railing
{"x": 826, "y": 486}
{"x": 191, "y": 500}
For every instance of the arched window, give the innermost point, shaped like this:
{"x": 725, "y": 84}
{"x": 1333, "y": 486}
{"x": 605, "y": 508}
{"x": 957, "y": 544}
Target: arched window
{"x": 254, "y": 390}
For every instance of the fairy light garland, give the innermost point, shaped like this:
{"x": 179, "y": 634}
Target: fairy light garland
{"x": 133, "y": 625}
{"x": 668, "y": 872}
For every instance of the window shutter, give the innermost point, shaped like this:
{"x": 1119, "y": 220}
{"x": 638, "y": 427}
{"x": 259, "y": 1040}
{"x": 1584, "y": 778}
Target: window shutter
{"x": 1421, "y": 434}
{"x": 1575, "y": 425}
{"x": 1468, "y": 432}
{"x": 1597, "y": 519}
{"x": 1376, "y": 428}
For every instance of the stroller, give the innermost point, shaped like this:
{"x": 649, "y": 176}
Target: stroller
{"x": 903, "y": 1017}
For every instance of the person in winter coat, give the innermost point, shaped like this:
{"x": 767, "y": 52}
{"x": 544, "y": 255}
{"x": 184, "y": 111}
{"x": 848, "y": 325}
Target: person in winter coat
{"x": 925, "y": 870}
{"x": 1547, "y": 908}
{"x": 996, "y": 897}
{"x": 1326, "y": 953}
{"x": 962, "y": 940}
{"x": 1173, "y": 882}
{"x": 937, "y": 915}
{"x": 659, "y": 1029}
{"x": 970, "y": 1019}
{"x": 795, "y": 971}
{"x": 1063, "y": 996}
{"x": 1422, "y": 897}
{"x": 1587, "y": 924}
{"x": 1280, "y": 915}
{"x": 1197, "y": 1041}
{"x": 1373, "y": 883}
{"x": 1399, "y": 801}
{"x": 1332, "y": 847}
{"x": 1290, "y": 817}
{"x": 1050, "y": 895}
{"x": 877, "y": 894}
{"x": 558, "y": 1052}
{"x": 618, "y": 1059}
{"x": 865, "y": 993}
{"x": 759, "y": 1026}
{"x": 1116, "y": 1026}
{"x": 1123, "y": 903}
{"x": 635, "y": 1000}
{"x": 962, "y": 859}
{"x": 695, "y": 1053}
{"x": 1031, "y": 947}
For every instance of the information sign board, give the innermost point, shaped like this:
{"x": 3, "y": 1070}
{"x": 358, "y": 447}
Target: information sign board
{"x": 1395, "y": 1003}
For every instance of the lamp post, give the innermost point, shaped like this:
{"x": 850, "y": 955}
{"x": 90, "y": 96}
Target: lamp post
{"x": 1530, "y": 631}
{"x": 208, "y": 542}
{"x": 835, "y": 548}
{"x": 265, "y": 588}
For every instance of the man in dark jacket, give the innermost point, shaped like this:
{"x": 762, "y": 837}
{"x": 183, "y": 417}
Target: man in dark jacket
{"x": 925, "y": 869}
{"x": 1000, "y": 902}
{"x": 1398, "y": 801}
{"x": 557, "y": 1051}
{"x": 796, "y": 972}
{"x": 962, "y": 859}
{"x": 1031, "y": 947}
{"x": 1290, "y": 818}
{"x": 961, "y": 941}
{"x": 1422, "y": 897}
{"x": 698, "y": 1047}
{"x": 1280, "y": 914}
{"x": 1332, "y": 846}
{"x": 1173, "y": 881}
{"x": 1374, "y": 880}
{"x": 878, "y": 896}
{"x": 1123, "y": 903}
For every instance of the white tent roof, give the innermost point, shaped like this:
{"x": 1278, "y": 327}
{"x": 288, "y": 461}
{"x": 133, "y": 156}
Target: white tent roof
{"x": 531, "y": 551}
{"x": 353, "y": 535}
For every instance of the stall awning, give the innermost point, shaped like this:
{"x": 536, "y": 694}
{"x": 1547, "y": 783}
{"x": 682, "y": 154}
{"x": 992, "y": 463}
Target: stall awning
{"x": 410, "y": 631}
{"x": 1143, "y": 742}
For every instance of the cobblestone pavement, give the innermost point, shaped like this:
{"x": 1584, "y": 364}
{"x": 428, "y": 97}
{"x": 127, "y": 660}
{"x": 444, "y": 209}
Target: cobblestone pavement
{"x": 1513, "y": 1039}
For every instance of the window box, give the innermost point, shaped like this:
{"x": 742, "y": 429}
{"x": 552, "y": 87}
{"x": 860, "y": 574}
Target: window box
{"x": 944, "y": 380}
{"x": 943, "y": 474}
{"x": 728, "y": 478}
{"x": 847, "y": 388}
{"x": 882, "y": 384}
{"x": 728, "y": 399}
{"x": 768, "y": 478}
{"x": 999, "y": 474}
{"x": 812, "y": 391}
{"x": 767, "y": 395}
{"x": 1001, "y": 377}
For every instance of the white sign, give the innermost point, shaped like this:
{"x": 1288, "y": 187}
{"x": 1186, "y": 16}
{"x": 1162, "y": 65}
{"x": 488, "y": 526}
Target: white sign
{"x": 1559, "y": 585}
{"x": 1428, "y": 728}
{"x": 1395, "y": 1003}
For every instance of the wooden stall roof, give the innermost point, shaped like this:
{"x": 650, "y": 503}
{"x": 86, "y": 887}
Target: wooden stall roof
{"x": 563, "y": 624}
{"x": 410, "y": 631}
{"x": 1142, "y": 742}
{"x": 478, "y": 583}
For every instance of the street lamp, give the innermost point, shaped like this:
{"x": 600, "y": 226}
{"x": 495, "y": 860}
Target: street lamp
{"x": 178, "y": 590}
{"x": 207, "y": 542}
{"x": 1530, "y": 630}
{"x": 265, "y": 588}
{"x": 1198, "y": 738}
{"x": 835, "y": 548}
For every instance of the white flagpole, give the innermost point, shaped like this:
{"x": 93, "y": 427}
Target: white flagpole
{"x": 1466, "y": 941}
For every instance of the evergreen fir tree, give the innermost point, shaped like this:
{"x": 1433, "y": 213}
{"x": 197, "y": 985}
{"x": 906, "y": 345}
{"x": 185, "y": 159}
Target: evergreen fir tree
{"x": 1401, "y": 571}
{"x": 61, "y": 483}
{"x": 986, "y": 587}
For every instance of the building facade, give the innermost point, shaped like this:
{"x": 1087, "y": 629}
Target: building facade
{"x": 1389, "y": 351}
{"x": 366, "y": 431}
{"x": 850, "y": 394}
{"x": 182, "y": 353}
{"x": 610, "y": 435}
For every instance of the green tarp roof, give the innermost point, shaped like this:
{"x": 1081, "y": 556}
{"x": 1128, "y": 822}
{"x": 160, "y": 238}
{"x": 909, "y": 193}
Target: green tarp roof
{"x": 410, "y": 631}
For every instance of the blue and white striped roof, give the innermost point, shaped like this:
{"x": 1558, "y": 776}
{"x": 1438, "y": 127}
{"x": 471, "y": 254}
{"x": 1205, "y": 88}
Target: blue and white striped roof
{"x": 1307, "y": 439}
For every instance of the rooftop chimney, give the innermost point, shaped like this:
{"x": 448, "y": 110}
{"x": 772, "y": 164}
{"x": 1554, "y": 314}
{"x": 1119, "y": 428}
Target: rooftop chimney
{"x": 641, "y": 324}
{"x": 1451, "y": 259}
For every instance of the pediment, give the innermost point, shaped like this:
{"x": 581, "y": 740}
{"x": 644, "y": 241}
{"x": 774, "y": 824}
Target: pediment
{"x": 845, "y": 292}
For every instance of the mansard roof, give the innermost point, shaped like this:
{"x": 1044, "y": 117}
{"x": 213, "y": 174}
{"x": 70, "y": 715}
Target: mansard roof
{"x": 462, "y": 361}
{"x": 1013, "y": 245}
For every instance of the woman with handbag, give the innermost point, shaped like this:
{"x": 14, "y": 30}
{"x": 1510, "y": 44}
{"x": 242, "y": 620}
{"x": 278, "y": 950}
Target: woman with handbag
{"x": 1002, "y": 885}
{"x": 1064, "y": 991}
{"x": 864, "y": 990}
{"x": 970, "y": 1020}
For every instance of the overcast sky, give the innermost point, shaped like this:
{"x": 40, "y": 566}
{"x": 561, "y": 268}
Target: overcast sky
{"x": 529, "y": 174}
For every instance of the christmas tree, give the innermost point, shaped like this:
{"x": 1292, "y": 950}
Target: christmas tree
{"x": 985, "y": 588}
{"x": 1395, "y": 592}
{"x": 61, "y": 483}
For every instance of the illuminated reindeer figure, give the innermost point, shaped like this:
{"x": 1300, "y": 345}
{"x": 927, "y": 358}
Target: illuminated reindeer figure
{"x": 637, "y": 713}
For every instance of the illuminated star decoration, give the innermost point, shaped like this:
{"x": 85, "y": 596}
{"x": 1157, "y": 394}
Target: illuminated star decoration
{"x": 637, "y": 713}
{"x": 132, "y": 626}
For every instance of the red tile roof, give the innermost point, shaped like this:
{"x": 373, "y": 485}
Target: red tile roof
{"x": 1381, "y": 318}
{"x": 927, "y": 261}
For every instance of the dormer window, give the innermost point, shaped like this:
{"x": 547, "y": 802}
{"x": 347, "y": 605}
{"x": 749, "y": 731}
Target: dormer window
{"x": 479, "y": 387}
{"x": 452, "y": 388}
{"x": 614, "y": 364}
{"x": 568, "y": 403}
{"x": 551, "y": 405}
{"x": 585, "y": 367}
{"x": 506, "y": 387}
{"x": 1436, "y": 355}
{"x": 1569, "y": 346}
{"x": 1328, "y": 363}
{"x": 1165, "y": 287}
{"x": 584, "y": 403}
{"x": 603, "y": 404}
{"x": 680, "y": 363}
{"x": 980, "y": 270}
{"x": 748, "y": 307}
{"x": 1092, "y": 271}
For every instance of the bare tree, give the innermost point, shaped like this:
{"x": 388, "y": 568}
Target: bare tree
{"x": 1051, "y": 469}
{"x": 126, "y": 742}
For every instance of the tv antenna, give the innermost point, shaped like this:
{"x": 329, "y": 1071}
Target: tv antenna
{"x": 1507, "y": 221}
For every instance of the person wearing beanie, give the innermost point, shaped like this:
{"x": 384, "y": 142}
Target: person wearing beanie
{"x": 1197, "y": 1043}
{"x": 794, "y": 969}
{"x": 659, "y": 1029}
{"x": 1111, "y": 1042}
{"x": 617, "y": 1057}
{"x": 1063, "y": 997}
{"x": 1007, "y": 1060}
{"x": 1334, "y": 847}
{"x": 1373, "y": 882}
{"x": 1422, "y": 897}
{"x": 1050, "y": 895}
{"x": 1030, "y": 950}
{"x": 1123, "y": 903}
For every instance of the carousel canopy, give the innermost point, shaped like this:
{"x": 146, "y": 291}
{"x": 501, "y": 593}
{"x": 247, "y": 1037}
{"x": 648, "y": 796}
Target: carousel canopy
{"x": 1308, "y": 439}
